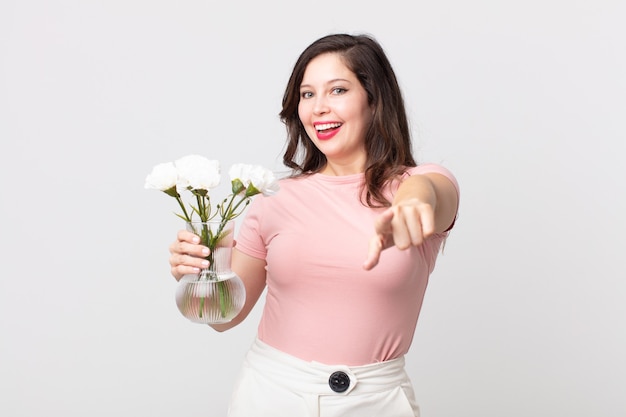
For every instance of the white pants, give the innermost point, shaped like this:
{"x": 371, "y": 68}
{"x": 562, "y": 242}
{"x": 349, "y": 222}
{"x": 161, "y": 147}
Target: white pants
{"x": 274, "y": 384}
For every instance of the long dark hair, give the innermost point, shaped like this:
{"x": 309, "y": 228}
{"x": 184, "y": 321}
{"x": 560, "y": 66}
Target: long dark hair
{"x": 387, "y": 141}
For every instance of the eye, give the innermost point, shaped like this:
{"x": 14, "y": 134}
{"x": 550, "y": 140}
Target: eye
{"x": 339, "y": 90}
{"x": 306, "y": 94}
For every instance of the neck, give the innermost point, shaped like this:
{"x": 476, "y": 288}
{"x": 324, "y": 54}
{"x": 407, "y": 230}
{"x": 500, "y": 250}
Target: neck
{"x": 337, "y": 171}
{"x": 341, "y": 168}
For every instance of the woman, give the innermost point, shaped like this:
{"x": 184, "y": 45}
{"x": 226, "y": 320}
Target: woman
{"x": 345, "y": 248}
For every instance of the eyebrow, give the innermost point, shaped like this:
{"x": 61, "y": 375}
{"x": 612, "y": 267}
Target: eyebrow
{"x": 335, "y": 80}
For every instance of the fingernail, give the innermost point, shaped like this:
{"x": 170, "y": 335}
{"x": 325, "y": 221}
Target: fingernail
{"x": 205, "y": 264}
{"x": 205, "y": 251}
{"x": 196, "y": 239}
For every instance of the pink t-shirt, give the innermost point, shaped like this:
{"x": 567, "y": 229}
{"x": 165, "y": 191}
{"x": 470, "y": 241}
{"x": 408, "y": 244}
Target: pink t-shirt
{"x": 321, "y": 304}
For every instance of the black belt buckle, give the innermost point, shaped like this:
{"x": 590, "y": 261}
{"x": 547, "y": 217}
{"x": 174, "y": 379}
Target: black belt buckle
{"x": 339, "y": 381}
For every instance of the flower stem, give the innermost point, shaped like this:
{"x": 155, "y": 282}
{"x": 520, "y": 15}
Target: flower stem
{"x": 182, "y": 206}
{"x": 231, "y": 212}
{"x": 201, "y": 309}
{"x": 222, "y": 289}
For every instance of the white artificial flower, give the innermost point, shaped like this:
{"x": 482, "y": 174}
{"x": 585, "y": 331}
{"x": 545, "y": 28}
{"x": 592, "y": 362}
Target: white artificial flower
{"x": 240, "y": 172}
{"x": 163, "y": 177}
{"x": 197, "y": 172}
{"x": 262, "y": 179}
{"x": 198, "y": 175}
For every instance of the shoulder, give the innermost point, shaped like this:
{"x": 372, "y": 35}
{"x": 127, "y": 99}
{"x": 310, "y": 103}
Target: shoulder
{"x": 429, "y": 167}
{"x": 433, "y": 168}
{"x": 288, "y": 187}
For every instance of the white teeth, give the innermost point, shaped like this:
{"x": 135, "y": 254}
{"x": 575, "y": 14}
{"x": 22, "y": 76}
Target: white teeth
{"x": 327, "y": 126}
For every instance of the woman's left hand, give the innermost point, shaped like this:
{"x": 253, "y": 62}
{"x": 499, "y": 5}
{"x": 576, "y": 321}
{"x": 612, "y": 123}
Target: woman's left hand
{"x": 407, "y": 224}
{"x": 423, "y": 205}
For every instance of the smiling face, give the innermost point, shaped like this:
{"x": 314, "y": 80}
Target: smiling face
{"x": 334, "y": 111}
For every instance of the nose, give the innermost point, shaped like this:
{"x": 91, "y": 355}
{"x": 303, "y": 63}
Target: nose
{"x": 321, "y": 105}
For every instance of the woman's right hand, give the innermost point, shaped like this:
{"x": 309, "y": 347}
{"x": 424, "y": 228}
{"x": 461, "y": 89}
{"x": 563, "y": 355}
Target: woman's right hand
{"x": 187, "y": 255}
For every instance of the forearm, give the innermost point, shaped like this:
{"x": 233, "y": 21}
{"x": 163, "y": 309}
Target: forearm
{"x": 416, "y": 187}
{"x": 433, "y": 189}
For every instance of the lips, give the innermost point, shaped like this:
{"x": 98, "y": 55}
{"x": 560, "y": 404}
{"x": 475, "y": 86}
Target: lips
{"x": 325, "y": 131}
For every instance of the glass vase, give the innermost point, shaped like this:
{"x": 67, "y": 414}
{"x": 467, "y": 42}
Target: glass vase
{"x": 215, "y": 294}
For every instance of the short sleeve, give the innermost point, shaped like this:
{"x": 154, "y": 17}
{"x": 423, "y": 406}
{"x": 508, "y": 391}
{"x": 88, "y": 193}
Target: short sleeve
{"x": 437, "y": 169}
{"x": 249, "y": 239}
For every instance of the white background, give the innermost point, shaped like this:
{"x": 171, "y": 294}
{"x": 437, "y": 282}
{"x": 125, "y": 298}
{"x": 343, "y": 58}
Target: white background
{"x": 524, "y": 101}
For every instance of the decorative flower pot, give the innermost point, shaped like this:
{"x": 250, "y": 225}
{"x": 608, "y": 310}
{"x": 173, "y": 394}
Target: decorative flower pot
{"x": 216, "y": 294}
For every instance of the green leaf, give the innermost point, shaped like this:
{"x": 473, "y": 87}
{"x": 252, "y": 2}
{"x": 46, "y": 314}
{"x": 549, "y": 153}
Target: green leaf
{"x": 251, "y": 190}
{"x": 172, "y": 192}
{"x": 182, "y": 217}
{"x": 237, "y": 186}
{"x": 200, "y": 192}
